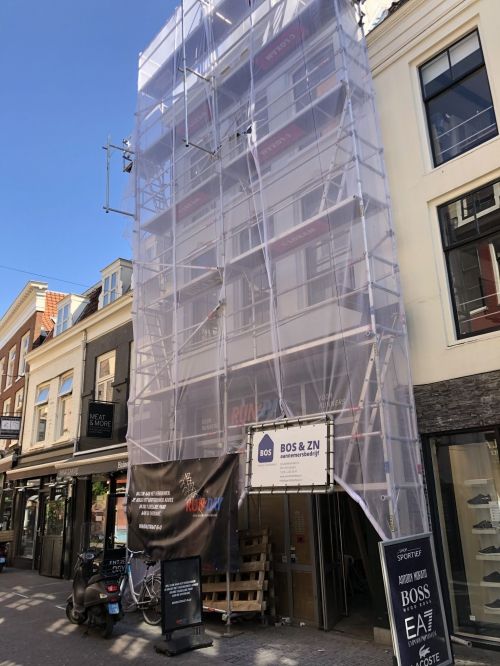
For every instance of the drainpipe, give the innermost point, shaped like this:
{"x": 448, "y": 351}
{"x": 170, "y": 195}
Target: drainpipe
{"x": 79, "y": 420}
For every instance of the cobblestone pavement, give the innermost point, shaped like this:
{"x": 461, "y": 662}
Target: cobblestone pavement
{"x": 34, "y": 631}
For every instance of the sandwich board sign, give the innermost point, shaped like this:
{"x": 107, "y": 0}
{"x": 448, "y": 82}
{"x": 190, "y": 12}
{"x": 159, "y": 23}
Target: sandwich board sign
{"x": 418, "y": 622}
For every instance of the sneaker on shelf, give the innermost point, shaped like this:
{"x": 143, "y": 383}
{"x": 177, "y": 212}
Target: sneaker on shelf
{"x": 483, "y": 525}
{"x": 494, "y": 604}
{"x": 490, "y": 550}
{"x": 479, "y": 499}
{"x": 493, "y": 577}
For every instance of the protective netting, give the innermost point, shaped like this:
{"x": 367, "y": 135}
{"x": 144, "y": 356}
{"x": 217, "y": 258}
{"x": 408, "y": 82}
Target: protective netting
{"x": 266, "y": 281}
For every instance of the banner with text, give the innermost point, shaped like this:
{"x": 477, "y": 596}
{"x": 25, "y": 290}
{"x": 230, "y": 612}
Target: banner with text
{"x": 418, "y": 622}
{"x": 291, "y": 457}
{"x": 186, "y": 508}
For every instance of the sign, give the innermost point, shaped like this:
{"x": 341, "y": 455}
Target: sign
{"x": 186, "y": 508}
{"x": 10, "y": 427}
{"x": 100, "y": 419}
{"x": 291, "y": 457}
{"x": 181, "y": 604}
{"x": 418, "y": 623}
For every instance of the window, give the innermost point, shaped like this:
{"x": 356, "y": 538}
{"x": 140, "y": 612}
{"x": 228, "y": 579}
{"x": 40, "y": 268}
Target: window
{"x": 105, "y": 376}
{"x": 18, "y": 402}
{"x": 319, "y": 199}
{"x": 457, "y": 98}
{"x": 470, "y": 230}
{"x": 6, "y": 406}
{"x": 2, "y": 373}
{"x": 64, "y": 405}
{"x": 255, "y": 298}
{"x": 329, "y": 273}
{"x": 110, "y": 291}
{"x": 253, "y": 234}
{"x": 63, "y": 315}
{"x": 25, "y": 345}
{"x": 10, "y": 367}
{"x": 314, "y": 78}
{"x": 41, "y": 401}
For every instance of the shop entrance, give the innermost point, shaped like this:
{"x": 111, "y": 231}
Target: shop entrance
{"x": 52, "y": 537}
{"x": 322, "y": 545}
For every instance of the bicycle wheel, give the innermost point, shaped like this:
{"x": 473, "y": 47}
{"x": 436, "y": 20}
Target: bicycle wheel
{"x": 128, "y": 602}
{"x": 151, "y": 598}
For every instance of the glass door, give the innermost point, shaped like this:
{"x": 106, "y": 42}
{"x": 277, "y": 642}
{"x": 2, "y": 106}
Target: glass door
{"x": 52, "y": 537}
{"x": 29, "y": 525}
{"x": 467, "y": 473}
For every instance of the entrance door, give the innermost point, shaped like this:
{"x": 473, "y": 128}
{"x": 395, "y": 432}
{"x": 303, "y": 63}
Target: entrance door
{"x": 52, "y": 537}
{"x": 116, "y": 524}
{"x": 27, "y": 539}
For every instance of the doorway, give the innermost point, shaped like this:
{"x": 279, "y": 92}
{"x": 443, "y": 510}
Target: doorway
{"x": 52, "y": 537}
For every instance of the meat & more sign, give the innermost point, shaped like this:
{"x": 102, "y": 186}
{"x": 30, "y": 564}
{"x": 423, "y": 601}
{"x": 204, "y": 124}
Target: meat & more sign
{"x": 291, "y": 457}
{"x": 100, "y": 420}
{"x": 418, "y": 622}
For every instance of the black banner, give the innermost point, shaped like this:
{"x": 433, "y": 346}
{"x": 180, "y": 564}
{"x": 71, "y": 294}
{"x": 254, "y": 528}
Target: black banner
{"x": 184, "y": 509}
{"x": 181, "y": 604}
{"x": 415, "y": 602}
{"x": 100, "y": 419}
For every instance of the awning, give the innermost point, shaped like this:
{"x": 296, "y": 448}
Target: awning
{"x": 98, "y": 464}
{"x": 6, "y": 463}
{"x": 31, "y": 471}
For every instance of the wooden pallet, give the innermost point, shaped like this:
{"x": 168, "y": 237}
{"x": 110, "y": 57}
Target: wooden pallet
{"x": 251, "y": 587}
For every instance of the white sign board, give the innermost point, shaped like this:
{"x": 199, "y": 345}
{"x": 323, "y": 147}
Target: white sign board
{"x": 290, "y": 457}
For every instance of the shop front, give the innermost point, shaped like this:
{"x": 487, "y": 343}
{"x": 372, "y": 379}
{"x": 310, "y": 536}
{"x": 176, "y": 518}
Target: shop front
{"x": 99, "y": 480}
{"x": 465, "y": 469}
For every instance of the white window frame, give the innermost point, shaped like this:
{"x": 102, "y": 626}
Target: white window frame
{"x": 10, "y": 367}
{"x": 2, "y": 372}
{"x": 105, "y": 380}
{"x": 41, "y": 406}
{"x": 6, "y": 407}
{"x": 18, "y": 402}
{"x": 23, "y": 350}
{"x": 64, "y": 402}
{"x": 63, "y": 318}
{"x": 110, "y": 291}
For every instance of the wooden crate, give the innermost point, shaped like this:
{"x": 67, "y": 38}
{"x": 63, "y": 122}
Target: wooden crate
{"x": 249, "y": 588}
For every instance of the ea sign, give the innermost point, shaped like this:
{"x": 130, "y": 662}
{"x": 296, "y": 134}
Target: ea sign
{"x": 266, "y": 450}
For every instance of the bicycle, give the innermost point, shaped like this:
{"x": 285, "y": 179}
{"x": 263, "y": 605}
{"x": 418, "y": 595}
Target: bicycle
{"x": 145, "y": 595}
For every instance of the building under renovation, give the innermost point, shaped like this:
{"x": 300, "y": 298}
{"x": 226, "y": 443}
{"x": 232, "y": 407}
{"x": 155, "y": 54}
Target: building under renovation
{"x": 266, "y": 277}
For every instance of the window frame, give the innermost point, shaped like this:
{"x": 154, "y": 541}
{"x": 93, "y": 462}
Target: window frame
{"x": 109, "y": 378}
{"x": 110, "y": 293}
{"x": 63, "y": 318}
{"x": 449, "y": 246}
{"x": 41, "y": 404}
{"x": 11, "y": 359}
{"x": 23, "y": 351}
{"x": 428, "y": 98}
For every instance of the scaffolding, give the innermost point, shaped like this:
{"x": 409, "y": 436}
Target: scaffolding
{"x": 266, "y": 278}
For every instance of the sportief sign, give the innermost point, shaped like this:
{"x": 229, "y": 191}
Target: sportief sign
{"x": 290, "y": 457}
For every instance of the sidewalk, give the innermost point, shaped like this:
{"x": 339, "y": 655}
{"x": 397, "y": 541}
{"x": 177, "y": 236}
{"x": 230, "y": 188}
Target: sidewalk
{"x": 34, "y": 630}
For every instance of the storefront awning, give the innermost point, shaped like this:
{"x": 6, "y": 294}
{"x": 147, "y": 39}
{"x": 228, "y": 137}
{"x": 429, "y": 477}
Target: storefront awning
{"x": 31, "y": 471}
{"x": 6, "y": 463}
{"x": 96, "y": 465}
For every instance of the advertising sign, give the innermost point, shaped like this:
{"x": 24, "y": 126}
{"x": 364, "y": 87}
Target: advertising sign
{"x": 100, "y": 419}
{"x": 181, "y": 604}
{"x": 291, "y": 457}
{"x": 185, "y": 508}
{"x": 418, "y": 622}
{"x": 10, "y": 427}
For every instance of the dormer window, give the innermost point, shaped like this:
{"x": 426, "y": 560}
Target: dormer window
{"x": 63, "y": 317}
{"x": 115, "y": 281}
{"x": 110, "y": 290}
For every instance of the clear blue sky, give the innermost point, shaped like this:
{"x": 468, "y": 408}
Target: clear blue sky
{"x": 69, "y": 78}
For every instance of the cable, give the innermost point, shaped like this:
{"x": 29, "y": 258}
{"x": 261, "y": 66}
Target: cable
{"x": 47, "y": 277}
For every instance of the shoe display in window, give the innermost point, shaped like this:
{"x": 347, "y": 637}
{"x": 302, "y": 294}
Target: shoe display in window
{"x": 490, "y": 550}
{"x": 479, "y": 499}
{"x": 493, "y": 577}
{"x": 494, "y": 604}
{"x": 483, "y": 525}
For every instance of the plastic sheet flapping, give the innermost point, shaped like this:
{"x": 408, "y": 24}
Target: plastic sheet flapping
{"x": 266, "y": 278}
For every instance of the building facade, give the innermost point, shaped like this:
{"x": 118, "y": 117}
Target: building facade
{"x": 25, "y": 325}
{"x": 53, "y": 504}
{"x": 436, "y": 67}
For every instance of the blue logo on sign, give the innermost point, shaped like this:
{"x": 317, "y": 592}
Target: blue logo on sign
{"x": 266, "y": 449}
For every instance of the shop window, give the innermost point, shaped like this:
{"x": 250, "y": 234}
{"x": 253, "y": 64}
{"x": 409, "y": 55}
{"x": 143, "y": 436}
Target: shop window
{"x": 457, "y": 97}
{"x": 63, "y": 318}
{"x": 41, "y": 408}
{"x": 467, "y": 479}
{"x": 470, "y": 230}
{"x": 64, "y": 403}
{"x": 98, "y": 509}
{"x": 110, "y": 288}
{"x": 25, "y": 345}
{"x": 105, "y": 376}
{"x": 10, "y": 367}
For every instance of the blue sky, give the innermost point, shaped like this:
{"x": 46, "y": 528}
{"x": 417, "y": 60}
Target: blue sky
{"x": 69, "y": 74}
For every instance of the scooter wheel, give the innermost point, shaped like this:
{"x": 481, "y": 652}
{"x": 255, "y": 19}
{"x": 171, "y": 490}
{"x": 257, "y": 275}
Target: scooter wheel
{"x": 107, "y": 627}
{"x": 73, "y": 616}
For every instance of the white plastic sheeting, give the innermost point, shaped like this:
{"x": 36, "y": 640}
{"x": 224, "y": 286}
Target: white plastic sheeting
{"x": 266, "y": 280}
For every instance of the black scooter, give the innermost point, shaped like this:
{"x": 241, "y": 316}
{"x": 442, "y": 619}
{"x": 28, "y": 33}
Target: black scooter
{"x": 95, "y": 596}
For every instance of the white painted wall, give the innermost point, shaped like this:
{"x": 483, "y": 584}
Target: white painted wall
{"x": 416, "y": 32}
